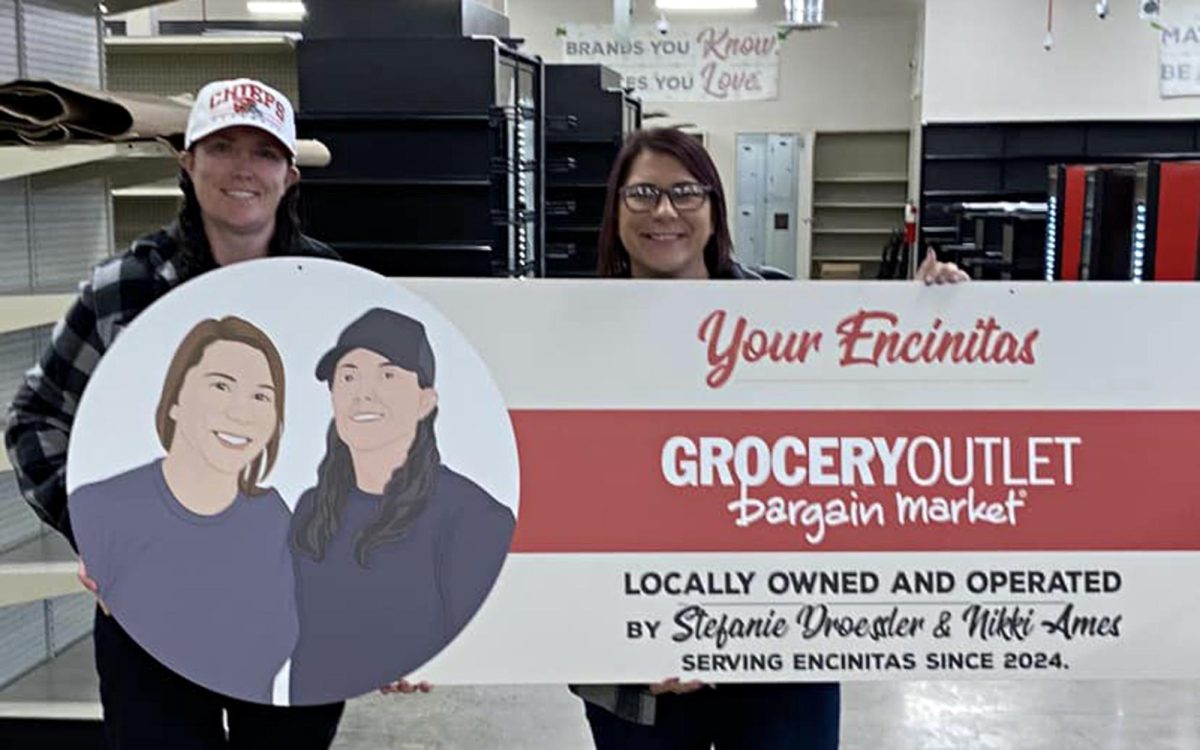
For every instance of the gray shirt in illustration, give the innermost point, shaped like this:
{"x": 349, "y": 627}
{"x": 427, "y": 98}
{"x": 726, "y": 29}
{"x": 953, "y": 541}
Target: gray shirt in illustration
{"x": 209, "y": 596}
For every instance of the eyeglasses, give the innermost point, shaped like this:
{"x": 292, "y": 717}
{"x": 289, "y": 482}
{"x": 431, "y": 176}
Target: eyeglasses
{"x": 684, "y": 196}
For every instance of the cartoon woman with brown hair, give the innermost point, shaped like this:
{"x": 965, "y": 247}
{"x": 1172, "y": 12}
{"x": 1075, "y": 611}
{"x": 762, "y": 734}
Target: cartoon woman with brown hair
{"x": 190, "y": 551}
{"x": 394, "y": 550}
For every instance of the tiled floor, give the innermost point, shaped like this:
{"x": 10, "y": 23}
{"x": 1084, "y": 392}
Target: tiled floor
{"x": 878, "y": 716}
{"x": 875, "y": 716}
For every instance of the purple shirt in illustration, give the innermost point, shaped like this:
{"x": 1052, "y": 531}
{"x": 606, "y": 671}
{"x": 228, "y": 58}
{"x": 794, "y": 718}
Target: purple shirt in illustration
{"x": 362, "y": 628}
{"x": 209, "y": 596}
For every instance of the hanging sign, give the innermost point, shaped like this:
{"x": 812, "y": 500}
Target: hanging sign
{"x": 1179, "y": 50}
{"x": 685, "y": 63}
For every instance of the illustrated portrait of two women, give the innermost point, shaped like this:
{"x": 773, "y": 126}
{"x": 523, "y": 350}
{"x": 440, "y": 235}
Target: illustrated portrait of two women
{"x": 381, "y": 562}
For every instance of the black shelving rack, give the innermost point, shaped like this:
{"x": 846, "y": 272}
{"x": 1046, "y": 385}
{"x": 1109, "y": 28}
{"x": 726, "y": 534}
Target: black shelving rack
{"x": 438, "y": 154}
{"x": 1011, "y": 162}
{"x": 588, "y": 116}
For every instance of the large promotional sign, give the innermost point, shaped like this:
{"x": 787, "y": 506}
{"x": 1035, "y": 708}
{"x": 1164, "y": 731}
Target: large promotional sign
{"x": 723, "y": 481}
{"x": 1179, "y": 50}
{"x": 686, "y": 62}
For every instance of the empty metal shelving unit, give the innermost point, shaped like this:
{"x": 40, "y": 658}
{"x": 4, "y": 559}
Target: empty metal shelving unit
{"x": 588, "y": 116}
{"x": 436, "y": 127}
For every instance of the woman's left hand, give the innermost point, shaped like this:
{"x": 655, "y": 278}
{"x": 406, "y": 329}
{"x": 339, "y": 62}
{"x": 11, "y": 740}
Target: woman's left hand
{"x": 933, "y": 271}
{"x": 406, "y": 687}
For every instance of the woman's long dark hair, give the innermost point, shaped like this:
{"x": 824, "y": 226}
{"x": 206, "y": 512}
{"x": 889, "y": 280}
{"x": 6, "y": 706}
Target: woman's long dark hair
{"x": 718, "y": 253}
{"x": 404, "y": 497}
{"x": 197, "y": 255}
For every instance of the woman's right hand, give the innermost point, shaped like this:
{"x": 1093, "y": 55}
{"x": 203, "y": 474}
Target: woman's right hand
{"x": 674, "y": 686}
{"x": 91, "y": 585}
{"x": 406, "y": 687}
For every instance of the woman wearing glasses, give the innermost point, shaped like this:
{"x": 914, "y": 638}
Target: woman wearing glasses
{"x": 665, "y": 218}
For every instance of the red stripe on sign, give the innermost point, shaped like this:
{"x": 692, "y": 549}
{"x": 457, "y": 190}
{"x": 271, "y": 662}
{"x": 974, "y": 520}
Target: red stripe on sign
{"x": 729, "y": 481}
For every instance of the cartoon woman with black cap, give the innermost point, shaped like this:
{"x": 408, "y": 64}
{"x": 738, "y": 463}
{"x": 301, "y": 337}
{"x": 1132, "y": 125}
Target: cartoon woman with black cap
{"x": 394, "y": 551}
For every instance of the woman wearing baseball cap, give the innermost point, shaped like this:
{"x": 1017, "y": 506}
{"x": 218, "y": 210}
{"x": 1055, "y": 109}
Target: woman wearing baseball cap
{"x": 240, "y": 186}
{"x": 394, "y": 551}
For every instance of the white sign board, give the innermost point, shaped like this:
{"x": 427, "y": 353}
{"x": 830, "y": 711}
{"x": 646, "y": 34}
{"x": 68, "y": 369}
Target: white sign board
{"x": 722, "y": 481}
{"x": 1179, "y": 51}
{"x": 688, "y": 63}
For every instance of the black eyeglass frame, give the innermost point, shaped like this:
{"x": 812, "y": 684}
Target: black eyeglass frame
{"x": 672, "y": 196}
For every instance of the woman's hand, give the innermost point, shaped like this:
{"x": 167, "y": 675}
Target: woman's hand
{"x": 91, "y": 586}
{"x": 674, "y": 686}
{"x": 406, "y": 687}
{"x": 933, "y": 271}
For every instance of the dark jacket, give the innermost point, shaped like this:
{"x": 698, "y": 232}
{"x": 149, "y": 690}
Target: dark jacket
{"x": 739, "y": 272}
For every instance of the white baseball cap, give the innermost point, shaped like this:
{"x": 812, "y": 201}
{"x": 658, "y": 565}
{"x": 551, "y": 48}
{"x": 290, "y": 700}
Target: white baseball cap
{"x": 241, "y": 102}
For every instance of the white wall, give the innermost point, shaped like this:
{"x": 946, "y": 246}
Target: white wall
{"x": 984, "y": 61}
{"x": 855, "y": 77}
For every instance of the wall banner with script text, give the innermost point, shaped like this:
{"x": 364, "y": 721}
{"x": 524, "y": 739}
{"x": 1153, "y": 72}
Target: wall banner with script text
{"x": 689, "y": 63}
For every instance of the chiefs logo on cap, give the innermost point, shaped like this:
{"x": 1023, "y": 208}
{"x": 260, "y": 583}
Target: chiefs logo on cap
{"x": 247, "y": 99}
{"x": 246, "y": 106}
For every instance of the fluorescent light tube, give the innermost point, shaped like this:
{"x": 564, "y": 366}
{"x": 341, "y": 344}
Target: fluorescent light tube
{"x": 706, "y": 4}
{"x": 286, "y": 8}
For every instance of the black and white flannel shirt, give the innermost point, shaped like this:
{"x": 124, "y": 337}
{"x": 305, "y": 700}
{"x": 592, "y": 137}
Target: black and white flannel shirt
{"x": 118, "y": 290}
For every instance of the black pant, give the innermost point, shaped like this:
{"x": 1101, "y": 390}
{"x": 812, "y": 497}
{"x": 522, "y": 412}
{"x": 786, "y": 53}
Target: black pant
{"x": 149, "y": 707}
{"x": 784, "y": 716}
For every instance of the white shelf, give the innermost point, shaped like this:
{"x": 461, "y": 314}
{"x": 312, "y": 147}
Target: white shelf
{"x": 174, "y": 44}
{"x": 130, "y": 163}
{"x": 124, "y": 6}
{"x": 866, "y": 178}
{"x": 41, "y": 569}
{"x": 64, "y": 688}
{"x": 859, "y": 232}
{"x": 847, "y": 259}
{"x": 148, "y": 191}
{"x": 859, "y": 205}
{"x": 21, "y": 311}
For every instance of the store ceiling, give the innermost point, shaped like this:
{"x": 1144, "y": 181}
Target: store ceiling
{"x": 868, "y": 7}
{"x": 234, "y": 9}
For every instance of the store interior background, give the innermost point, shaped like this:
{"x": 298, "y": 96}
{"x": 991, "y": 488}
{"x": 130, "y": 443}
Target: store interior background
{"x": 857, "y": 95}
{"x": 861, "y": 98}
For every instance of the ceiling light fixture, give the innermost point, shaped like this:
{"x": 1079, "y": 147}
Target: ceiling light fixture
{"x": 277, "y": 8}
{"x": 706, "y": 4}
{"x": 804, "y": 15}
